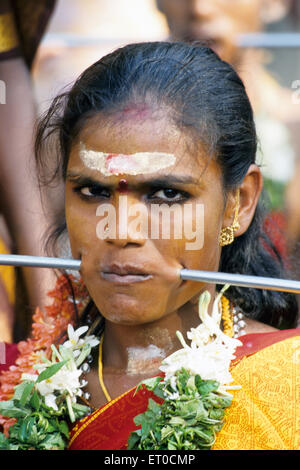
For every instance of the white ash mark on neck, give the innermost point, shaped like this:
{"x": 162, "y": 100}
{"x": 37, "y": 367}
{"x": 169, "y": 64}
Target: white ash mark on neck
{"x": 144, "y": 359}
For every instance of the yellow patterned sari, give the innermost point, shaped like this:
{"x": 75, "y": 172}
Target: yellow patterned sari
{"x": 264, "y": 415}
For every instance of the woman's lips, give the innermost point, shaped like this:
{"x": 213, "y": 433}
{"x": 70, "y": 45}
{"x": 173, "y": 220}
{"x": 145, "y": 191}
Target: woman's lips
{"x": 124, "y": 273}
{"x": 125, "y": 279}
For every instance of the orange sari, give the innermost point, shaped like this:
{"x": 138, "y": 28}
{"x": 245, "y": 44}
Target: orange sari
{"x": 263, "y": 415}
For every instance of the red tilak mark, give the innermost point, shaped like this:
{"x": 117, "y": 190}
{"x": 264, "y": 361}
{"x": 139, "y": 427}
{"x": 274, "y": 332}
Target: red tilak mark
{"x": 110, "y": 156}
{"x": 110, "y": 165}
{"x": 123, "y": 186}
{"x": 108, "y": 161}
{"x": 136, "y": 111}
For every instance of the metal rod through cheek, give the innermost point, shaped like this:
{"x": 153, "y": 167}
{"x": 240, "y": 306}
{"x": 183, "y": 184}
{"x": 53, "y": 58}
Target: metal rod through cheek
{"x": 241, "y": 280}
{"x": 256, "y": 282}
{"x": 40, "y": 262}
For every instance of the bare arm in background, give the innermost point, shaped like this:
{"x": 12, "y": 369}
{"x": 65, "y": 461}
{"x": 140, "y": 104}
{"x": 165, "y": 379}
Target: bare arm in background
{"x": 26, "y": 217}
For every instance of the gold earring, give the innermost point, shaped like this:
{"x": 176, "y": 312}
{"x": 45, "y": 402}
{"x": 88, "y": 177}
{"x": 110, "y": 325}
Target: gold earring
{"x": 226, "y": 236}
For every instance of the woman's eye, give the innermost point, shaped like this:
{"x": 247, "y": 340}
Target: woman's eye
{"x": 92, "y": 192}
{"x": 169, "y": 194}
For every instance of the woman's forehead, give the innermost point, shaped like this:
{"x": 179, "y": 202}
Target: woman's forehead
{"x": 156, "y": 142}
{"x": 144, "y": 168}
{"x": 109, "y": 164}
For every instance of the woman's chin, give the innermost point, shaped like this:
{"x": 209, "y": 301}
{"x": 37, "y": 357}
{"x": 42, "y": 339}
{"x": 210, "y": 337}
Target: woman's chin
{"x": 129, "y": 319}
{"x": 131, "y": 313}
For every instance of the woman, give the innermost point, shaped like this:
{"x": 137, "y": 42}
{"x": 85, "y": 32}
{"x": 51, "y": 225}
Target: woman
{"x": 150, "y": 125}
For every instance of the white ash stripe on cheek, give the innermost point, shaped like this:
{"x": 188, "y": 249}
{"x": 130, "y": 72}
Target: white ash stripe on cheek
{"x": 133, "y": 164}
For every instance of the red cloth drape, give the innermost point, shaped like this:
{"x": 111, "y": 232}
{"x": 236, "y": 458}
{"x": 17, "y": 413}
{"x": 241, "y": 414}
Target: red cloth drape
{"x": 109, "y": 427}
{"x": 8, "y": 355}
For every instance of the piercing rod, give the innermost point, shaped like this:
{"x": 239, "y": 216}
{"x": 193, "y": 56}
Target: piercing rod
{"x": 40, "y": 262}
{"x": 240, "y": 280}
{"x": 257, "y": 40}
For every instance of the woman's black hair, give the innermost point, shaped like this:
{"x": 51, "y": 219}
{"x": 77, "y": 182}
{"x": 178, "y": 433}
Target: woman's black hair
{"x": 207, "y": 100}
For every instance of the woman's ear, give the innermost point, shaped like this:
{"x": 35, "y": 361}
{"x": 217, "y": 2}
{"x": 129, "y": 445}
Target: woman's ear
{"x": 250, "y": 191}
{"x": 274, "y": 10}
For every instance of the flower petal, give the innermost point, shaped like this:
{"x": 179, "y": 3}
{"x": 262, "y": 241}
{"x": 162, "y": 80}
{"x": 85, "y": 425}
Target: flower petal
{"x": 81, "y": 330}
{"x": 70, "y": 331}
{"x": 50, "y": 400}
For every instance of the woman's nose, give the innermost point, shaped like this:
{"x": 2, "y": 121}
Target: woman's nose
{"x": 203, "y": 8}
{"x": 127, "y": 223}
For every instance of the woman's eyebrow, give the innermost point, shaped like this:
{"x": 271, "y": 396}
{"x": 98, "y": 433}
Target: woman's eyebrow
{"x": 85, "y": 180}
{"x": 156, "y": 181}
{"x": 172, "y": 179}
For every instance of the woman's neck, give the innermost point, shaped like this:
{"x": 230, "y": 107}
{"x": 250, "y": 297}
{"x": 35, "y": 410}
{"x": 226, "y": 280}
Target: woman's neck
{"x": 140, "y": 349}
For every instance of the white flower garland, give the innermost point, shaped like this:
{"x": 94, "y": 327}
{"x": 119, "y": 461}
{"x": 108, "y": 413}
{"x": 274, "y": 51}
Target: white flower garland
{"x": 65, "y": 382}
{"x": 210, "y": 352}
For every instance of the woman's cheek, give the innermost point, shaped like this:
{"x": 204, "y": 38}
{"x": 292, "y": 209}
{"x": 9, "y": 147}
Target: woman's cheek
{"x": 203, "y": 251}
{"x": 81, "y": 226}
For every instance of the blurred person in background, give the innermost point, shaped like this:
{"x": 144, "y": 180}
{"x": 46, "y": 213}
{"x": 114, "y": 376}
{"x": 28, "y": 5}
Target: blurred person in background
{"x": 293, "y": 190}
{"x": 82, "y": 31}
{"x": 23, "y": 219}
{"x": 220, "y": 23}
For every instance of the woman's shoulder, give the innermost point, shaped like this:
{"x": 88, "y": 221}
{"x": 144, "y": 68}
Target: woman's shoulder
{"x": 254, "y": 326}
{"x": 265, "y": 408}
{"x": 259, "y": 339}
{"x": 8, "y": 355}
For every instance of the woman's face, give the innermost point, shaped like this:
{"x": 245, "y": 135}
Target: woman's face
{"x": 116, "y": 178}
{"x": 219, "y": 21}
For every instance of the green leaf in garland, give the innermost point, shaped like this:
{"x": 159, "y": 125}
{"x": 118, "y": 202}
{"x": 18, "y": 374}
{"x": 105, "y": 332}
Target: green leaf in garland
{"x": 9, "y": 409}
{"x": 53, "y": 441}
{"x": 4, "y": 442}
{"x": 189, "y": 422}
{"x": 50, "y": 371}
{"x": 151, "y": 384}
{"x": 35, "y": 401}
{"x": 133, "y": 440}
{"x": 19, "y": 389}
{"x": 63, "y": 428}
{"x": 26, "y": 393}
{"x": 204, "y": 387}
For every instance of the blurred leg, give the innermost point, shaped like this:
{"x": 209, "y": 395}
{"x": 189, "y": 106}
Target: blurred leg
{"x": 21, "y": 203}
{"x": 6, "y": 316}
